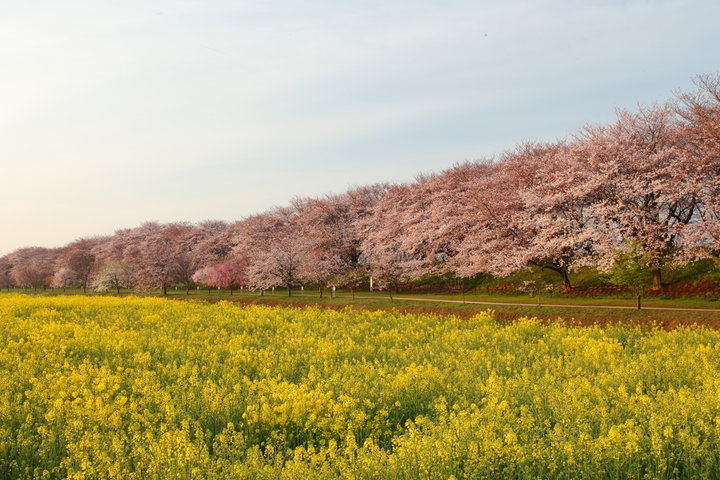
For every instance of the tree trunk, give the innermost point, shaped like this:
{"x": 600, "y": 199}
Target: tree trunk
{"x": 187, "y": 289}
{"x": 117, "y": 289}
{"x": 562, "y": 271}
{"x": 231, "y": 290}
{"x": 567, "y": 286}
{"x": 637, "y": 301}
{"x": 657, "y": 279}
{"x": 164, "y": 290}
{"x": 320, "y": 292}
{"x": 289, "y": 290}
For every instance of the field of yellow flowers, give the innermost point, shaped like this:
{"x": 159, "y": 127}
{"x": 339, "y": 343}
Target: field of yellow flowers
{"x": 145, "y": 388}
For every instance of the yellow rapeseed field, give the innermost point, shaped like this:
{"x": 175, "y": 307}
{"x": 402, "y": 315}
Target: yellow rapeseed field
{"x": 144, "y": 388}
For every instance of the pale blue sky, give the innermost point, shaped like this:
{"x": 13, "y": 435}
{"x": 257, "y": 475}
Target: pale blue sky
{"x": 120, "y": 111}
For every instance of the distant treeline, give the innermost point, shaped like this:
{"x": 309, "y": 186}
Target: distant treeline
{"x": 647, "y": 184}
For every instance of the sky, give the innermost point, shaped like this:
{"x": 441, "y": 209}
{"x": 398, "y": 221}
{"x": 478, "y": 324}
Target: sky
{"x": 117, "y": 112}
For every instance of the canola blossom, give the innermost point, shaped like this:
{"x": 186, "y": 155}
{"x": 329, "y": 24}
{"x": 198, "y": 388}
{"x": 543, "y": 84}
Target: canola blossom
{"x": 145, "y": 388}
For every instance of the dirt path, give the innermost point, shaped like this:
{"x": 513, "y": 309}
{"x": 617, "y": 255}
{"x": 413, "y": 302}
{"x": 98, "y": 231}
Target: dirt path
{"x": 518, "y": 304}
{"x": 667, "y": 318}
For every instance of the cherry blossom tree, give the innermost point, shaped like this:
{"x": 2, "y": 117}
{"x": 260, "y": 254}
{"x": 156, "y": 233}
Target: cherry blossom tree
{"x": 497, "y": 229}
{"x": 395, "y": 249}
{"x": 214, "y": 241}
{"x": 156, "y": 256}
{"x": 482, "y": 217}
{"x": 161, "y": 257}
{"x": 273, "y": 247}
{"x": 111, "y": 275}
{"x": 204, "y": 276}
{"x": 646, "y": 188}
{"x": 699, "y": 112}
{"x": 550, "y": 222}
{"x": 200, "y": 245}
{"x": 78, "y": 258}
{"x": 63, "y": 278}
{"x": 123, "y": 247}
{"x": 32, "y": 267}
{"x": 329, "y": 226}
{"x": 456, "y": 210}
{"x": 228, "y": 274}
{"x": 5, "y": 277}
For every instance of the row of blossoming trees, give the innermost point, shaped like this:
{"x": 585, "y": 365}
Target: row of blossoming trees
{"x": 650, "y": 181}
